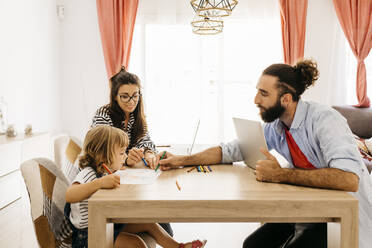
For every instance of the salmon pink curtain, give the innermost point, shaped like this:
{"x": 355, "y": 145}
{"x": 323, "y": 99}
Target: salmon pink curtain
{"x": 355, "y": 17}
{"x": 293, "y": 21}
{"x": 116, "y": 20}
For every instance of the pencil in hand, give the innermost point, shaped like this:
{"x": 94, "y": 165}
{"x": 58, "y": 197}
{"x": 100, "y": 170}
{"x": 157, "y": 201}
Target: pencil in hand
{"x": 162, "y": 156}
{"x": 144, "y": 161}
{"x": 106, "y": 168}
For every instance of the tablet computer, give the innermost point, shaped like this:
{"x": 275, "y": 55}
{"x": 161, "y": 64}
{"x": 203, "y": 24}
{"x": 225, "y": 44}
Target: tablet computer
{"x": 250, "y": 138}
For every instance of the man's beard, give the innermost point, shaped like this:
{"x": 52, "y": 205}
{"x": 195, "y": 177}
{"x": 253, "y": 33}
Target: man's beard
{"x": 272, "y": 113}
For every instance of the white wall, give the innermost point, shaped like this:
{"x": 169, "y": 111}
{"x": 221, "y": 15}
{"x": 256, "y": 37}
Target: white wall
{"x": 84, "y": 80}
{"x": 30, "y": 64}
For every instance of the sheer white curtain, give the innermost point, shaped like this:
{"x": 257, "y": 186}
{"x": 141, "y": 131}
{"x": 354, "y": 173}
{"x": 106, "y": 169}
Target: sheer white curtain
{"x": 187, "y": 77}
{"x": 325, "y": 44}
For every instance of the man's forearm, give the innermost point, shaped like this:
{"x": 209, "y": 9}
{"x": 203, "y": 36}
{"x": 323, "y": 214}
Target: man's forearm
{"x": 327, "y": 178}
{"x": 212, "y": 155}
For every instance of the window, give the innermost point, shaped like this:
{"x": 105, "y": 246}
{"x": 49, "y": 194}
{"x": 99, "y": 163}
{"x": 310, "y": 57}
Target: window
{"x": 187, "y": 77}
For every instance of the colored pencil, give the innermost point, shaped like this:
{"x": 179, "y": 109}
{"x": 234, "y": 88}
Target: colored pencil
{"x": 162, "y": 156}
{"x": 144, "y": 161}
{"x": 106, "y": 168}
{"x": 198, "y": 168}
{"x": 191, "y": 169}
{"x": 201, "y": 168}
{"x": 209, "y": 168}
{"x": 178, "y": 186}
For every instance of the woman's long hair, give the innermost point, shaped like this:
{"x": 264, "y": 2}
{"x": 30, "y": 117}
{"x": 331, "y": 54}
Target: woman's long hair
{"x": 117, "y": 114}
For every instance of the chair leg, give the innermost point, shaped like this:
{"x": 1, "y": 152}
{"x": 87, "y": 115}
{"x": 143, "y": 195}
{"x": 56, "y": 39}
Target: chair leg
{"x": 333, "y": 235}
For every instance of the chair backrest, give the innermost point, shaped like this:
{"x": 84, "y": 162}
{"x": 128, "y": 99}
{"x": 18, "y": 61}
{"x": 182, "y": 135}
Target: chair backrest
{"x": 60, "y": 144}
{"x": 46, "y": 186}
{"x": 66, "y": 153}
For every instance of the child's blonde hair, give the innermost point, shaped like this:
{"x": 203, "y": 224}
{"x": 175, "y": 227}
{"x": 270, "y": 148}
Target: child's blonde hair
{"x": 99, "y": 146}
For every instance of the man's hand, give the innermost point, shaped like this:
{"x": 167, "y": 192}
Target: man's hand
{"x": 268, "y": 170}
{"x": 170, "y": 161}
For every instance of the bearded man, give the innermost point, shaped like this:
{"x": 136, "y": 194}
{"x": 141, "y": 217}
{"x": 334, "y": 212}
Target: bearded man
{"x": 315, "y": 140}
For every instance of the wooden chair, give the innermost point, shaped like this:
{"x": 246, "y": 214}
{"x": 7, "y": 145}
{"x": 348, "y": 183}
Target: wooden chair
{"x": 46, "y": 186}
{"x": 66, "y": 151}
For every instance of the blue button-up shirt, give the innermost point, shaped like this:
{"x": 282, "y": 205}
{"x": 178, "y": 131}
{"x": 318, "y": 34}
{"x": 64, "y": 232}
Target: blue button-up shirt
{"x": 323, "y": 136}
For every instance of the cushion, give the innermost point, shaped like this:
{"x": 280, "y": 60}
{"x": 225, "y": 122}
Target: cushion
{"x": 365, "y": 151}
{"x": 368, "y": 143}
{"x": 368, "y": 164}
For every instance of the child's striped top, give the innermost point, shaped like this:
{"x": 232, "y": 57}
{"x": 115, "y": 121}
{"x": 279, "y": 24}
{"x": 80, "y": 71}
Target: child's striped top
{"x": 79, "y": 210}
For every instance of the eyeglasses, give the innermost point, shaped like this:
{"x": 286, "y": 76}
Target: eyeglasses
{"x": 126, "y": 98}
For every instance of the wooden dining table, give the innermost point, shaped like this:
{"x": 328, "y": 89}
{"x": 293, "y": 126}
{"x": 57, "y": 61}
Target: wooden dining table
{"x": 230, "y": 193}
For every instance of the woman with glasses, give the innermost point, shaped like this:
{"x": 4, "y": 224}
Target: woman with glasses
{"x": 126, "y": 111}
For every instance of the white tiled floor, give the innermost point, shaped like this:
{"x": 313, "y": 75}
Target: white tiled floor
{"x": 16, "y": 228}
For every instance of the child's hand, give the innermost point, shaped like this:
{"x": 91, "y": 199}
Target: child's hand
{"x": 109, "y": 181}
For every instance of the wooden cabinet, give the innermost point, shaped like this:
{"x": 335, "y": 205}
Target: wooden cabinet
{"x": 14, "y": 151}
{"x": 10, "y": 188}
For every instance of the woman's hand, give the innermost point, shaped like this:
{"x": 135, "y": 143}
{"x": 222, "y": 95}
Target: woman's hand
{"x": 135, "y": 155}
{"x": 151, "y": 159}
{"x": 109, "y": 181}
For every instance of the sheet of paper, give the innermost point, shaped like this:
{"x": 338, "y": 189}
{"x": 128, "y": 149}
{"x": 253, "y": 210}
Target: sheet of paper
{"x": 138, "y": 176}
{"x": 281, "y": 160}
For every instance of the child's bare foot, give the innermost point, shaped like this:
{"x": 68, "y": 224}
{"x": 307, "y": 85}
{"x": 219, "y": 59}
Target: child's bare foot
{"x": 194, "y": 244}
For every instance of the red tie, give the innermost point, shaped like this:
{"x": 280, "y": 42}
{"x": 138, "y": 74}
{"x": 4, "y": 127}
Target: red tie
{"x": 299, "y": 159}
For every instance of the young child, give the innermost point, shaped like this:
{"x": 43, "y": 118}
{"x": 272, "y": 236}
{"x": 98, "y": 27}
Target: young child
{"x": 105, "y": 146}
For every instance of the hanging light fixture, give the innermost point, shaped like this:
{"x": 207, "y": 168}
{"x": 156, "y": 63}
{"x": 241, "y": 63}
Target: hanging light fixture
{"x": 213, "y": 8}
{"x": 206, "y": 26}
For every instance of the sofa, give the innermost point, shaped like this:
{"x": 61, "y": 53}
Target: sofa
{"x": 360, "y": 123}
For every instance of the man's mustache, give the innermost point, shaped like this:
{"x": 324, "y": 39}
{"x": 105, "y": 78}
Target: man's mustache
{"x": 260, "y": 107}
